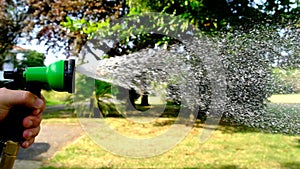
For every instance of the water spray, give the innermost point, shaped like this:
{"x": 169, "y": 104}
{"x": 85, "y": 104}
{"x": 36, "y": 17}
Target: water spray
{"x": 59, "y": 76}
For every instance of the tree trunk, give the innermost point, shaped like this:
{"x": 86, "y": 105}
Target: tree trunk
{"x": 131, "y": 100}
{"x": 145, "y": 100}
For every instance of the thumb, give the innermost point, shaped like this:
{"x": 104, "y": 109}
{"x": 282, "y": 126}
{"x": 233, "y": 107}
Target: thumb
{"x": 11, "y": 98}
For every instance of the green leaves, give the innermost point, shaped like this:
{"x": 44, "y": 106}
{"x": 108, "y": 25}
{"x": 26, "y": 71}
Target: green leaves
{"x": 32, "y": 59}
{"x": 87, "y": 27}
{"x": 139, "y": 27}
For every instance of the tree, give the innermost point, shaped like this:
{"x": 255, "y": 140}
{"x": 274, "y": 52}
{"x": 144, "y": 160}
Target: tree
{"x": 227, "y": 16}
{"x": 48, "y": 15}
{"x": 211, "y": 16}
{"x": 32, "y": 58}
{"x": 11, "y": 25}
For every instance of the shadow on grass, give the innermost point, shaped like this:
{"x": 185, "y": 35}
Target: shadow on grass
{"x": 298, "y": 144}
{"x": 291, "y": 165}
{"x": 163, "y": 123}
{"x": 229, "y": 128}
{"x": 223, "y": 126}
{"x": 228, "y": 167}
{"x": 170, "y": 112}
{"x": 170, "y": 115}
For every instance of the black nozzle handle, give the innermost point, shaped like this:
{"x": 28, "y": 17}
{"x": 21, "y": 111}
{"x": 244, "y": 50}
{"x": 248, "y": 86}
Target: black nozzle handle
{"x": 35, "y": 88}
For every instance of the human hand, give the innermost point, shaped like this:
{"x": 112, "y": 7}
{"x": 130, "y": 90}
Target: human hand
{"x": 31, "y": 123}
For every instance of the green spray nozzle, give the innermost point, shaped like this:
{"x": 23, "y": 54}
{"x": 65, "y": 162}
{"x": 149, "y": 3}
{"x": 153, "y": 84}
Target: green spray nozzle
{"x": 59, "y": 76}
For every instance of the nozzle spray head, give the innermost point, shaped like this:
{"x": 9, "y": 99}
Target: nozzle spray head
{"x": 59, "y": 75}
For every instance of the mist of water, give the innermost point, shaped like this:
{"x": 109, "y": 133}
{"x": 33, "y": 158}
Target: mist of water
{"x": 225, "y": 76}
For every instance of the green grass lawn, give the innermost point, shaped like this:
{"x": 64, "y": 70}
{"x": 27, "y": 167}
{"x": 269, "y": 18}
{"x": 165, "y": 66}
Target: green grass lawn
{"x": 230, "y": 147}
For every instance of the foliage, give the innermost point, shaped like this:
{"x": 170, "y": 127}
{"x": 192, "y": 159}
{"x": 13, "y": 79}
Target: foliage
{"x": 202, "y": 14}
{"x": 31, "y": 59}
{"x": 97, "y": 93}
{"x": 104, "y": 94}
{"x": 11, "y": 25}
{"x": 56, "y": 98}
{"x": 227, "y": 16}
{"x": 48, "y": 15}
{"x": 48, "y": 18}
{"x": 211, "y": 16}
{"x": 139, "y": 30}
{"x": 84, "y": 87}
